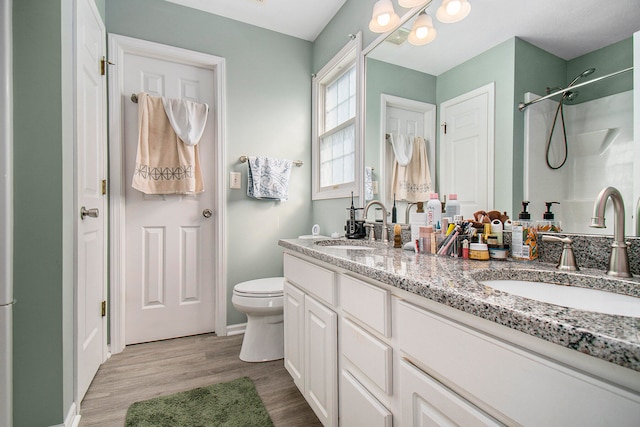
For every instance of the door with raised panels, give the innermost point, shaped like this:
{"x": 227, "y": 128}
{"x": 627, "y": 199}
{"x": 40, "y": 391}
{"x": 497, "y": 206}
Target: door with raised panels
{"x": 466, "y": 149}
{"x": 90, "y": 171}
{"x": 169, "y": 239}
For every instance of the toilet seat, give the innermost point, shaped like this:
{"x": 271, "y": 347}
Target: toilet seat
{"x": 269, "y": 287}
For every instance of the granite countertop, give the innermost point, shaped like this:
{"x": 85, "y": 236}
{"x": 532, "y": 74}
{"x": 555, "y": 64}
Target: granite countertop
{"x": 454, "y": 282}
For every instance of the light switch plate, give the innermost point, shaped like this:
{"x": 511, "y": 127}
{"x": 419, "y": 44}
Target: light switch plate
{"x": 234, "y": 180}
{"x": 374, "y": 187}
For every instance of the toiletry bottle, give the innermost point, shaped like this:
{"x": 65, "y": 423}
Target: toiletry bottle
{"x": 417, "y": 219}
{"x": 452, "y": 208}
{"x": 434, "y": 211}
{"x": 524, "y": 236}
{"x": 394, "y": 211}
{"x": 548, "y": 224}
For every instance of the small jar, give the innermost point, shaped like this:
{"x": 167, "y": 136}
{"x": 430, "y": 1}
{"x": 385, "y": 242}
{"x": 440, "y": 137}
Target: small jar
{"x": 479, "y": 251}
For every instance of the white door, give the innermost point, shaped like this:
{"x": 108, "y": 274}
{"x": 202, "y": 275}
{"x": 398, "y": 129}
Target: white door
{"x": 169, "y": 239}
{"x": 466, "y": 149}
{"x": 91, "y": 125}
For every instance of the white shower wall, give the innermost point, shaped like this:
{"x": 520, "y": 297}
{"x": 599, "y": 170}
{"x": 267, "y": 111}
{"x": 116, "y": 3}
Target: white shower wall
{"x": 600, "y": 154}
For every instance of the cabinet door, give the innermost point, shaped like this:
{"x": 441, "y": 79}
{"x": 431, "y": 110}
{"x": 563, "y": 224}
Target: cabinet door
{"x": 320, "y": 362}
{"x": 358, "y": 408}
{"x": 294, "y": 334}
{"x": 428, "y": 403}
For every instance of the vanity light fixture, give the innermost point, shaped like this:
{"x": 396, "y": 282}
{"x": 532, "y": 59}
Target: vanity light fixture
{"x": 384, "y": 18}
{"x": 422, "y": 31}
{"x": 409, "y": 4}
{"x": 453, "y": 11}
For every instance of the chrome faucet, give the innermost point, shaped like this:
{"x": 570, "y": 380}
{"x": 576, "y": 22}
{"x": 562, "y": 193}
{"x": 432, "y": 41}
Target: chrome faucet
{"x": 619, "y": 259}
{"x": 385, "y": 227}
{"x": 406, "y": 212}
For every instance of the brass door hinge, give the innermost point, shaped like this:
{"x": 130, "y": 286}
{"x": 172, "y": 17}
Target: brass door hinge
{"x": 103, "y": 65}
{"x": 103, "y": 308}
{"x": 444, "y": 125}
{"x": 104, "y": 187}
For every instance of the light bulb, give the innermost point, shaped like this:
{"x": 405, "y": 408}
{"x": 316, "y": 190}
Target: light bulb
{"x": 453, "y": 11}
{"x": 384, "y": 19}
{"x": 422, "y": 32}
{"x": 453, "y": 7}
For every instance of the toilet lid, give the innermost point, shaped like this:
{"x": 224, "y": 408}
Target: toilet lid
{"x": 271, "y": 286}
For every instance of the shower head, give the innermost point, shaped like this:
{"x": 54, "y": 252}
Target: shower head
{"x": 585, "y": 73}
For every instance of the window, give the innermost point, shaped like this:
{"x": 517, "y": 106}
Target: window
{"x": 336, "y": 149}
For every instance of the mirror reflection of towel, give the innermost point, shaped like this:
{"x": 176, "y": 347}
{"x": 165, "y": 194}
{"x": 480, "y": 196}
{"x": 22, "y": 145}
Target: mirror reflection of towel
{"x": 413, "y": 181}
{"x": 268, "y": 178}
{"x": 164, "y": 164}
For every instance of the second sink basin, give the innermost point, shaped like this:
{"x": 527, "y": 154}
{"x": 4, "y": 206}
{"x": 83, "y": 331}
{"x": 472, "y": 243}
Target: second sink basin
{"x": 570, "y": 296}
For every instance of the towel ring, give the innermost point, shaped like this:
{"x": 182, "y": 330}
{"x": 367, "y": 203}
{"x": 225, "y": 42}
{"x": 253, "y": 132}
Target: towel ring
{"x": 243, "y": 159}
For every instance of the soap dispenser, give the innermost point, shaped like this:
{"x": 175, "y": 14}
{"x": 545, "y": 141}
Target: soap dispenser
{"x": 548, "y": 224}
{"x": 524, "y": 236}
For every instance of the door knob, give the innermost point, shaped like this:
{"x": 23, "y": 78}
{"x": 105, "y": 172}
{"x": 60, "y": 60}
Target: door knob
{"x": 91, "y": 213}
{"x": 207, "y": 213}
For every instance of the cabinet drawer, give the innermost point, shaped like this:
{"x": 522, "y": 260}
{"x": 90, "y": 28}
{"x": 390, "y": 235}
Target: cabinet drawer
{"x": 425, "y": 399}
{"x": 311, "y": 278}
{"x": 495, "y": 376}
{"x": 371, "y": 356}
{"x": 358, "y": 407}
{"x": 367, "y": 303}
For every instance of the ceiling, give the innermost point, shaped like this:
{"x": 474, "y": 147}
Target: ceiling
{"x": 566, "y": 28}
{"x": 304, "y": 19}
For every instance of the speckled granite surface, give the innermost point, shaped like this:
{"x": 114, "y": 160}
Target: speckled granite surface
{"x": 454, "y": 282}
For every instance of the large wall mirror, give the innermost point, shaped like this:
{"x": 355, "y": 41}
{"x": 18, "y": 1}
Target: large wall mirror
{"x": 515, "y": 51}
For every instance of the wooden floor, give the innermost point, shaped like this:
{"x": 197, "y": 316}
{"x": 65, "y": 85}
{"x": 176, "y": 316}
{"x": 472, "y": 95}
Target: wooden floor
{"x": 148, "y": 370}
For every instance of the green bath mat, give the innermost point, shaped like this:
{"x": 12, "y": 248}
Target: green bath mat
{"x": 232, "y": 404}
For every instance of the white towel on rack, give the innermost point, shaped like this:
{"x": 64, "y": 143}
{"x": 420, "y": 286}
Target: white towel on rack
{"x": 188, "y": 119}
{"x": 402, "y": 148}
{"x": 268, "y": 178}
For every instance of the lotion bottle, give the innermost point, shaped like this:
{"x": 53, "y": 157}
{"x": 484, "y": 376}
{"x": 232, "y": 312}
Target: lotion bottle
{"x": 524, "y": 236}
{"x": 434, "y": 211}
{"x": 548, "y": 224}
{"x": 452, "y": 208}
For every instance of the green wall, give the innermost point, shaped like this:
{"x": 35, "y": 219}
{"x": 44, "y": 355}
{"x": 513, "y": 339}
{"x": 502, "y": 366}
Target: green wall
{"x": 42, "y": 256}
{"x": 606, "y": 60}
{"x": 268, "y": 112}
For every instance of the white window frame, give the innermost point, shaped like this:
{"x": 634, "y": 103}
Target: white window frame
{"x": 350, "y": 54}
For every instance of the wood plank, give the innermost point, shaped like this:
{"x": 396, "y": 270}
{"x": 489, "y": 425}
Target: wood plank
{"x": 143, "y": 371}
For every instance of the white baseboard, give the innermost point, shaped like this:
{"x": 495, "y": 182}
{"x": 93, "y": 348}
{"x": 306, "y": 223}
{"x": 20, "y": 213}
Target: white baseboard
{"x": 72, "y": 419}
{"x": 236, "y": 329}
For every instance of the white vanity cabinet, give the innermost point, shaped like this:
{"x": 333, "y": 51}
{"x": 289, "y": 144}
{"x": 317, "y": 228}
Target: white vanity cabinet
{"x": 368, "y": 354}
{"x": 499, "y": 380}
{"x": 311, "y": 334}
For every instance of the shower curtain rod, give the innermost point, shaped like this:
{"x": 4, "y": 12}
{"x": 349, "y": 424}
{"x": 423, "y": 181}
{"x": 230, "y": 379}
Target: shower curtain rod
{"x": 524, "y": 105}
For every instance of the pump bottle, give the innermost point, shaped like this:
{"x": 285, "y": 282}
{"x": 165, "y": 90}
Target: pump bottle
{"x": 524, "y": 236}
{"x": 548, "y": 224}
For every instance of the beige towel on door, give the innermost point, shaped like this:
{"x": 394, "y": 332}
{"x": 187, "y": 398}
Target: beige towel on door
{"x": 412, "y": 182}
{"x": 164, "y": 164}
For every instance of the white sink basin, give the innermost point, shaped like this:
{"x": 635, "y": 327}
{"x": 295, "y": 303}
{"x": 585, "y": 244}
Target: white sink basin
{"x": 570, "y": 296}
{"x": 349, "y": 247}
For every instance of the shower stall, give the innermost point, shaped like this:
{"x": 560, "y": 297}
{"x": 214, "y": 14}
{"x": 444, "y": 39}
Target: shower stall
{"x": 573, "y": 150}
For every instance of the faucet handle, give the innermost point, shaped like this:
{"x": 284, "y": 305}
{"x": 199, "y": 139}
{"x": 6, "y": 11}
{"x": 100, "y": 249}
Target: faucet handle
{"x": 372, "y": 234}
{"x": 567, "y": 260}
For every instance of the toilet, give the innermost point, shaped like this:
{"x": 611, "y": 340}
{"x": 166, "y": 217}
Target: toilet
{"x": 262, "y": 301}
